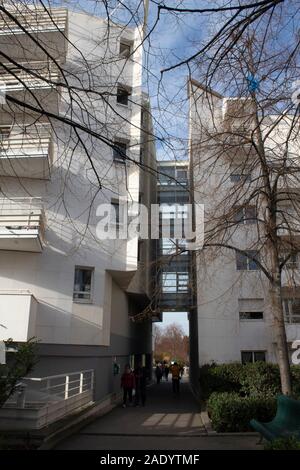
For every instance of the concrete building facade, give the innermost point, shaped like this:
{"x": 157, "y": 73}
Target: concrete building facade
{"x": 235, "y": 321}
{"x": 60, "y": 283}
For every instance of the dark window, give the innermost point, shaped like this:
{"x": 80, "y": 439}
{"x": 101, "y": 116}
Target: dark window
{"x": 245, "y": 215}
{"x": 83, "y": 284}
{"x": 4, "y": 132}
{"x": 253, "y": 356}
{"x": 238, "y": 177}
{"x": 120, "y": 152}
{"x": 122, "y": 95}
{"x": 125, "y": 49}
{"x": 245, "y": 263}
{"x": 251, "y": 315}
{"x": 142, "y": 155}
{"x": 139, "y": 253}
{"x": 116, "y": 214}
{"x": 259, "y": 356}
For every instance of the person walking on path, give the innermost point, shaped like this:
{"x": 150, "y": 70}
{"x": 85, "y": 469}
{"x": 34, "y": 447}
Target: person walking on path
{"x": 128, "y": 384}
{"x": 167, "y": 370}
{"x": 158, "y": 374}
{"x": 175, "y": 371}
{"x": 140, "y": 375}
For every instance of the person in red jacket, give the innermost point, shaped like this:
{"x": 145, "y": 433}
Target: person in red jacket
{"x": 128, "y": 384}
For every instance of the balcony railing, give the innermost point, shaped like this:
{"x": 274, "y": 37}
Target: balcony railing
{"x": 22, "y": 224}
{"x": 33, "y": 20}
{"x": 46, "y": 77}
{"x": 27, "y": 155}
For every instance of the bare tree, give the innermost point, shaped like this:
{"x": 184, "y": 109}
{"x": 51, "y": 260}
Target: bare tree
{"x": 244, "y": 156}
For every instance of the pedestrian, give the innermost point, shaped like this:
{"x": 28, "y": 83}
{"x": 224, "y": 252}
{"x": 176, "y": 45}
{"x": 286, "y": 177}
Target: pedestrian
{"x": 158, "y": 374}
{"x": 128, "y": 384}
{"x": 140, "y": 375}
{"x": 167, "y": 370}
{"x": 175, "y": 371}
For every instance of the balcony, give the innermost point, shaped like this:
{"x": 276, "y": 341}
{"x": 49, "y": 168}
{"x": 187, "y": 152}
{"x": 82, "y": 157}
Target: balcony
{"x": 26, "y": 155}
{"x": 18, "y": 315}
{"x": 48, "y": 28}
{"x": 35, "y": 86}
{"x": 22, "y": 225}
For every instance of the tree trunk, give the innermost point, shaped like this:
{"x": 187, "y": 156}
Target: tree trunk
{"x": 281, "y": 340}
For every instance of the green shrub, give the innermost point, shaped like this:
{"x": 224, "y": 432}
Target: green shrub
{"x": 230, "y": 412}
{"x": 246, "y": 379}
{"x": 283, "y": 443}
{"x": 260, "y": 378}
{"x": 220, "y": 378}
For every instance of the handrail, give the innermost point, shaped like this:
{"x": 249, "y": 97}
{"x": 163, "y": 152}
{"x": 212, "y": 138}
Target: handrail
{"x": 40, "y": 379}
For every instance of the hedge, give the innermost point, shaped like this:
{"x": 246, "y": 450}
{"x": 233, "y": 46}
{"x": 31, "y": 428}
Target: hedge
{"x": 255, "y": 379}
{"x": 283, "y": 443}
{"x": 230, "y": 412}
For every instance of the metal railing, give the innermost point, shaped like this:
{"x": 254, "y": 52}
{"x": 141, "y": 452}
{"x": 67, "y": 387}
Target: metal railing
{"x": 34, "y": 19}
{"x": 46, "y": 77}
{"x": 292, "y": 318}
{"x": 21, "y": 217}
{"x": 36, "y": 392}
{"x": 35, "y": 142}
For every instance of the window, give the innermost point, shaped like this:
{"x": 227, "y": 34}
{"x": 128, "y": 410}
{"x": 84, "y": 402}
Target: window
{"x": 253, "y": 356}
{"x": 291, "y": 309}
{"x": 4, "y": 132}
{"x": 142, "y": 155}
{"x": 251, "y": 309}
{"x": 245, "y": 263}
{"x": 123, "y": 95}
{"x": 83, "y": 284}
{"x": 116, "y": 214}
{"x": 171, "y": 246}
{"x": 245, "y": 215}
{"x": 292, "y": 262}
{"x": 172, "y": 176}
{"x": 251, "y": 315}
{"x": 125, "y": 49}
{"x": 182, "y": 176}
{"x": 120, "y": 152}
{"x": 239, "y": 175}
{"x": 175, "y": 282}
{"x": 172, "y": 220}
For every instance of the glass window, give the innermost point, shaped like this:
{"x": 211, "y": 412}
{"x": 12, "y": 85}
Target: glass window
{"x": 246, "y": 261}
{"x": 291, "y": 308}
{"x": 251, "y": 315}
{"x": 120, "y": 152}
{"x": 259, "y": 356}
{"x": 253, "y": 356}
{"x": 237, "y": 177}
{"x": 245, "y": 215}
{"x": 122, "y": 95}
{"x": 246, "y": 357}
{"x": 174, "y": 282}
{"x": 83, "y": 284}
{"x": 4, "y": 132}
{"x": 125, "y": 49}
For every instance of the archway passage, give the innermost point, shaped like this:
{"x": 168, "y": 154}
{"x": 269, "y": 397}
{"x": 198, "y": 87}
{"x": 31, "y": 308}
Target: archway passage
{"x": 175, "y": 340}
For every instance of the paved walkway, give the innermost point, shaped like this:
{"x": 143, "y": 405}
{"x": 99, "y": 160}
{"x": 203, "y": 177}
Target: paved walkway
{"x": 165, "y": 423}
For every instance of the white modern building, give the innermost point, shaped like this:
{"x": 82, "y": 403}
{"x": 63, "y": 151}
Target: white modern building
{"x": 74, "y": 125}
{"x": 233, "y": 305}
